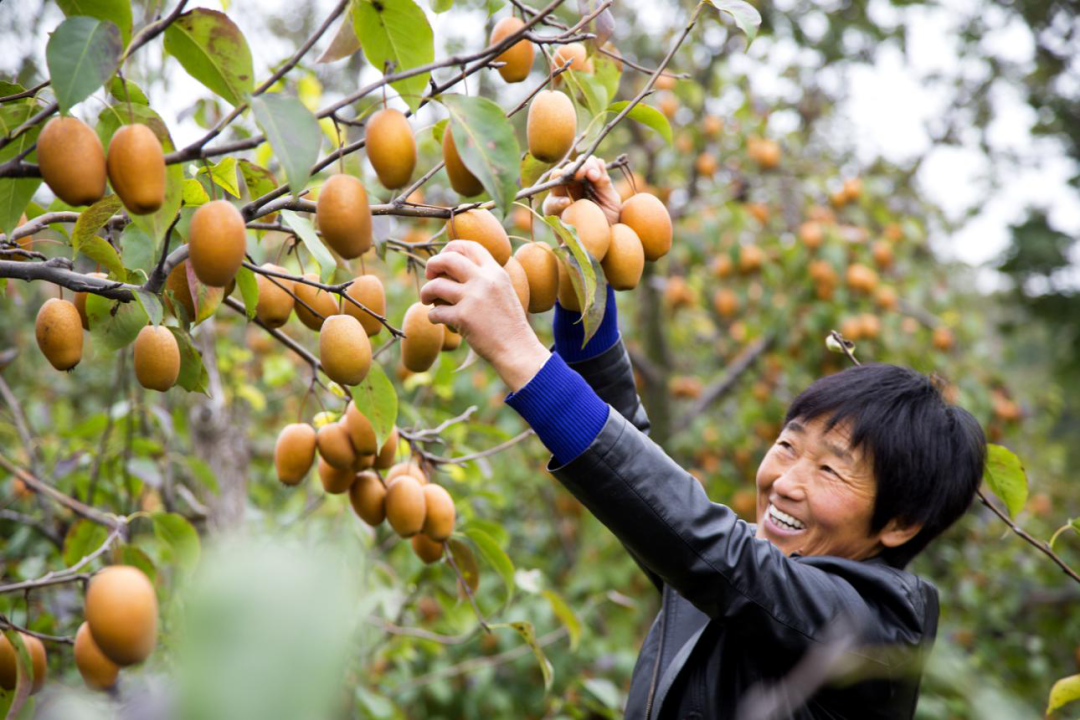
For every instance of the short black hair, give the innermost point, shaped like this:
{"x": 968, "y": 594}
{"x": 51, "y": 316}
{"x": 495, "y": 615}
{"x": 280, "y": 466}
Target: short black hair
{"x": 928, "y": 455}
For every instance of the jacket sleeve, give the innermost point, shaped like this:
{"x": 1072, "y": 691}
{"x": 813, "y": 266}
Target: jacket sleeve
{"x": 701, "y": 549}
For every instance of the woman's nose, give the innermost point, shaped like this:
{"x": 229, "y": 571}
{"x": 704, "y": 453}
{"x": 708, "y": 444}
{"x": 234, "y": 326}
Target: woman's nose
{"x": 792, "y": 484}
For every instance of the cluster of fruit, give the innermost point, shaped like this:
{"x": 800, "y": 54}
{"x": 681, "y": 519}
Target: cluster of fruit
{"x": 120, "y": 630}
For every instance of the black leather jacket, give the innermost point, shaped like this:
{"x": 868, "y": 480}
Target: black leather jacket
{"x": 736, "y": 612}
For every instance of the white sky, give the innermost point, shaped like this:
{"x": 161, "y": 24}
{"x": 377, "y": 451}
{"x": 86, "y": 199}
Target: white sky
{"x": 886, "y": 112}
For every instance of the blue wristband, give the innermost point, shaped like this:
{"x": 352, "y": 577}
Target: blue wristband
{"x": 570, "y": 333}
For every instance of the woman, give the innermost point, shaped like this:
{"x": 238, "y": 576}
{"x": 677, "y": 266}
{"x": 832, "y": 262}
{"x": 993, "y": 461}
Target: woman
{"x": 870, "y": 466}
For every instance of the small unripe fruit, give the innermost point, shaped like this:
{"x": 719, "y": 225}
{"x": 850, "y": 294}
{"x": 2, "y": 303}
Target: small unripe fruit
{"x": 428, "y": 550}
{"x": 275, "y": 297}
{"x": 368, "y": 291}
{"x": 405, "y": 507}
{"x": 217, "y": 242}
{"x": 407, "y": 468}
{"x": 461, "y": 179}
{"x": 647, "y": 216}
{"x": 519, "y": 56}
{"x": 157, "y": 358}
{"x": 861, "y": 278}
{"x": 542, "y": 270}
{"x": 942, "y": 338}
{"x": 592, "y": 227}
{"x": 72, "y": 161}
{"x": 177, "y": 283}
{"x": 439, "y": 513}
{"x": 483, "y": 227}
{"x": 882, "y": 252}
{"x": 368, "y": 498}
{"x": 361, "y": 433}
{"x": 98, "y": 671}
{"x": 811, "y": 234}
{"x": 423, "y": 339}
{"x": 625, "y": 259}
{"x": 385, "y": 458}
{"x": 344, "y": 350}
{"x": 121, "y": 609}
{"x": 344, "y": 216}
{"x": 751, "y": 258}
{"x": 136, "y": 165}
{"x": 726, "y": 302}
{"x": 8, "y": 662}
{"x": 335, "y": 446}
{"x": 80, "y": 300}
{"x": 551, "y": 126}
{"x": 391, "y": 147}
{"x": 706, "y": 164}
{"x": 59, "y": 333}
{"x": 574, "y": 52}
{"x": 335, "y": 481}
{"x": 321, "y": 301}
{"x": 519, "y": 280}
{"x": 294, "y": 452}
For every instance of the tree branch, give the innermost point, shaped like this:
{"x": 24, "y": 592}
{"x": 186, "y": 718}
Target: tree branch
{"x": 742, "y": 362}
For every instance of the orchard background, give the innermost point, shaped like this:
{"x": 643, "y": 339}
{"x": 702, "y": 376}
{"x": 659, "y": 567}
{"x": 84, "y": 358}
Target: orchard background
{"x": 277, "y": 601}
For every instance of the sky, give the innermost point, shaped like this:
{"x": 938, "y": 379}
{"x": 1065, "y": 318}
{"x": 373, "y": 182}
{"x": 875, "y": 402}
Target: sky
{"x": 886, "y": 109}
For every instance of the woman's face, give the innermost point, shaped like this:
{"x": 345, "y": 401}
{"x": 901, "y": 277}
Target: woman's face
{"x": 815, "y": 495}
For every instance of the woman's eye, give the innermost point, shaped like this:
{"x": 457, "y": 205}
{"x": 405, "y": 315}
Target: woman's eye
{"x": 785, "y": 444}
{"x": 826, "y": 468}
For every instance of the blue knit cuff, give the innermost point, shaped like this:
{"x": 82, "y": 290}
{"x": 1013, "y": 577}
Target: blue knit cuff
{"x": 565, "y": 412}
{"x": 570, "y": 334}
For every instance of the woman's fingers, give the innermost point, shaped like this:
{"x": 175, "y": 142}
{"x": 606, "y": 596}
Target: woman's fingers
{"x": 472, "y": 250}
{"x": 555, "y": 204}
{"x": 452, "y": 264}
{"x": 442, "y": 288}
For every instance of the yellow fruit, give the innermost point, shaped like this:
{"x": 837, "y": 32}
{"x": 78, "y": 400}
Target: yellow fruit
{"x": 157, "y": 358}
{"x": 519, "y": 280}
{"x": 385, "y": 458}
{"x": 405, "y": 507}
{"x": 669, "y": 105}
{"x": 363, "y": 462}
{"x": 574, "y": 52}
{"x": 344, "y": 350}
{"x": 368, "y": 291}
{"x": 712, "y": 126}
{"x": 883, "y": 254}
{"x": 592, "y": 226}
{"x": 80, "y": 300}
{"x": 423, "y": 339}
{"x": 766, "y": 153}
{"x": 852, "y": 189}
{"x": 647, "y": 216}
{"x": 72, "y": 161}
{"x": 871, "y": 325}
{"x": 542, "y": 270}
{"x": 59, "y": 333}
{"x": 275, "y": 297}
{"x": 391, "y": 147}
{"x": 26, "y": 242}
{"x": 625, "y": 259}
{"x": 726, "y": 302}
{"x": 520, "y": 217}
{"x": 217, "y": 242}
{"x": 367, "y": 495}
{"x": 811, "y": 234}
{"x": 751, "y": 258}
{"x": 8, "y": 660}
{"x": 721, "y": 266}
{"x": 706, "y": 164}
{"x": 451, "y": 341}
{"x": 483, "y": 227}
{"x": 410, "y": 468}
{"x": 344, "y": 216}
{"x": 942, "y": 338}
{"x": 427, "y": 549}
{"x": 335, "y": 446}
{"x": 568, "y": 299}
{"x": 519, "y": 56}
{"x": 177, "y": 283}
{"x": 335, "y": 481}
{"x": 136, "y": 165}
{"x": 551, "y": 126}
{"x": 886, "y": 298}
{"x": 861, "y": 278}
{"x": 98, "y": 671}
{"x": 463, "y": 181}
{"x": 851, "y": 328}
{"x": 121, "y": 609}
{"x": 294, "y": 452}
{"x": 759, "y": 210}
{"x": 361, "y": 432}
{"x": 321, "y": 301}
{"x": 439, "y": 513}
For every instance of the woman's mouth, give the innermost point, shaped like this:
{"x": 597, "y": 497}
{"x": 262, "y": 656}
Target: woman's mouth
{"x": 783, "y": 523}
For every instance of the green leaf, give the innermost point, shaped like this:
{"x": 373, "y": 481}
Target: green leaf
{"x": 466, "y": 563}
{"x": 746, "y": 16}
{"x": 1064, "y": 691}
{"x": 528, "y": 634}
{"x": 114, "y": 324}
{"x": 591, "y": 89}
{"x": 138, "y": 249}
{"x": 495, "y": 555}
{"x": 151, "y": 305}
{"x": 441, "y": 6}
{"x": 396, "y": 31}
{"x": 488, "y": 146}
{"x": 15, "y": 193}
{"x": 607, "y": 73}
{"x": 532, "y": 169}
{"x": 293, "y": 133}
{"x": 127, "y": 92}
{"x": 133, "y": 556}
{"x": 176, "y": 532}
{"x": 195, "y": 193}
{"x": 249, "y": 290}
{"x": 258, "y": 179}
{"x": 82, "y": 54}
{"x": 116, "y": 11}
{"x": 344, "y": 43}
{"x": 566, "y": 616}
{"x": 302, "y": 227}
{"x": 1006, "y": 477}
{"x": 224, "y": 176}
{"x": 438, "y": 129}
{"x": 212, "y": 50}
{"x": 83, "y": 538}
{"x": 603, "y": 690}
{"x": 203, "y": 472}
{"x": 586, "y": 276}
{"x": 647, "y": 116}
{"x": 84, "y": 237}
{"x": 378, "y": 400}
{"x": 193, "y": 376}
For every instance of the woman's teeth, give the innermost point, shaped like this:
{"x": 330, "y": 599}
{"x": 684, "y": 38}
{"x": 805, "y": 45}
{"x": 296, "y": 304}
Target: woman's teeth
{"x": 784, "y": 520}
